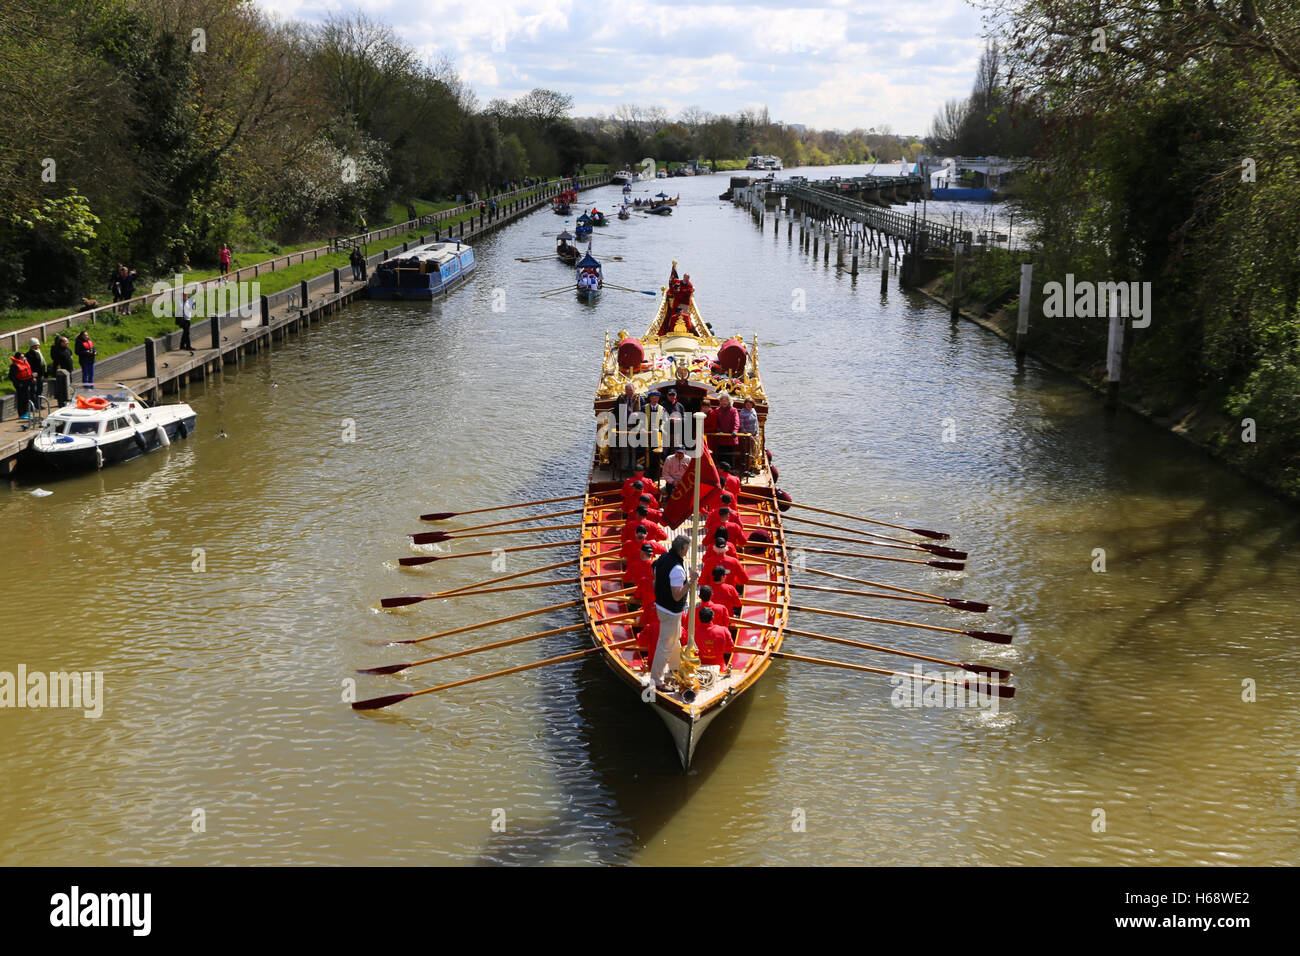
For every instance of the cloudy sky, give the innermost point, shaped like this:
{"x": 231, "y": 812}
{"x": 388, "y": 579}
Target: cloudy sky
{"x": 825, "y": 63}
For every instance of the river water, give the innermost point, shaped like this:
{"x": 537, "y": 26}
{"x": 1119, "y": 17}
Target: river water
{"x": 227, "y": 589}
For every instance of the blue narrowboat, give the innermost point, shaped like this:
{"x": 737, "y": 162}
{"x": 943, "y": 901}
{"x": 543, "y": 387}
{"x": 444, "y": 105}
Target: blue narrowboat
{"x": 422, "y": 272}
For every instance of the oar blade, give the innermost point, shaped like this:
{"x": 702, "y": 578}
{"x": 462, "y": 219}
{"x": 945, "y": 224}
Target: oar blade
{"x": 942, "y": 552}
{"x": 418, "y": 560}
{"x": 947, "y": 565}
{"x": 438, "y": 515}
{"x": 429, "y": 537}
{"x": 979, "y": 607}
{"x": 999, "y": 672}
{"x": 401, "y": 601}
{"x": 375, "y": 703}
{"x": 993, "y": 637}
{"x": 386, "y": 669}
{"x": 936, "y": 535}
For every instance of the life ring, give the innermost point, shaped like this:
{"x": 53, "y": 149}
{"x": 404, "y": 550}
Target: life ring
{"x": 96, "y": 403}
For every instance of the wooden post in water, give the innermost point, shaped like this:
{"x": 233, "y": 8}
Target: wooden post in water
{"x": 151, "y": 358}
{"x": 266, "y": 311}
{"x": 216, "y": 332}
{"x": 956, "y": 280}
{"x": 338, "y": 281}
{"x": 302, "y": 292}
{"x": 1022, "y": 318}
{"x": 1114, "y": 358}
{"x": 853, "y": 270}
{"x": 884, "y": 275}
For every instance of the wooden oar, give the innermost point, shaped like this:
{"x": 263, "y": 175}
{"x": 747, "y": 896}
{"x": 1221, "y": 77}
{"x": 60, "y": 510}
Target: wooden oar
{"x": 1002, "y": 690}
{"x": 1000, "y": 673}
{"x": 434, "y": 537}
{"x": 506, "y": 521}
{"x": 993, "y": 637}
{"x": 416, "y": 599}
{"x": 979, "y": 607}
{"x": 868, "y": 594}
{"x": 536, "y": 258}
{"x": 936, "y": 549}
{"x": 937, "y": 535}
{"x": 474, "y": 627}
{"x": 623, "y": 288}
{"x": 942, "y": 565}
{"x": 426, "y": 558}
{"x": 443, "y": 515}
{"x": 375, "y": 703}
{"x": 506, "y": 577}
{"x": 395, "y": 668}
{"x": 871, "y": 535}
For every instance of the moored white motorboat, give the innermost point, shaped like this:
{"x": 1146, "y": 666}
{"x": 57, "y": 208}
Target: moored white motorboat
{"x": 108, "y": 424}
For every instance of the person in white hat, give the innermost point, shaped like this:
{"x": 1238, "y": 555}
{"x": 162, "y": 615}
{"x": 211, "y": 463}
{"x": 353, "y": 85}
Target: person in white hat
{"x": 37, "y": 361}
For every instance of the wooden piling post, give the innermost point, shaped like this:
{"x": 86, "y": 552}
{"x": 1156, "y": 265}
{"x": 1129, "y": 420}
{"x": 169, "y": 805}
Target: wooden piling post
{"x": 151, "y": 358}
{"x": 1022, "y": 318}
{"x": 884, "y": 276}
{"x": 216, "y": 332}
{"x": 956, "y": 280}
{"x": 338, "y": 281}
{"x": 302, "y": 290}
{"x": 1114, "y": 358}
{"x": 853, "y": 270}
{"x": 266, "y": 311}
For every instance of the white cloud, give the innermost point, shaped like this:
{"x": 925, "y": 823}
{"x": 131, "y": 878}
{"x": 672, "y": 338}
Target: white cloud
{"x": 826, "y": 63}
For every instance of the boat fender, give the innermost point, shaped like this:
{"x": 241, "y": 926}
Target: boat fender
{"x": 631, "y": 353}
{"x": 783, "y": 500}
{"x": 776, "y": 474}
{"x": 181, "y": 430}
{"x": 140, "y": 441}
{"x": 163, "y": 440}
{"x": 99, "y": 456}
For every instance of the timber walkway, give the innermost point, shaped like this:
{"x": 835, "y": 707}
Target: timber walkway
{"x": 159, "y": 367}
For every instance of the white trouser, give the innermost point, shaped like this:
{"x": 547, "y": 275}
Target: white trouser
{"x": 668, "y": 652}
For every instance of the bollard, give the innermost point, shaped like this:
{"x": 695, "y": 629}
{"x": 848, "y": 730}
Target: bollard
{"x": 1022, "y": 318}
{"x": 215, "y": 324}
{"x": 884, "y": 276}
{"x": 266, "y": 311}
{"x": 150, "y": 358}
{"x": 338, "y": 281}
{"x": 302, "y": 288}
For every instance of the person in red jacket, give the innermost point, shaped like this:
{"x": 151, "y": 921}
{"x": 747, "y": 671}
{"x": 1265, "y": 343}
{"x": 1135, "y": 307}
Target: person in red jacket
{"x": 640, "y": 519}
{"x": 721, "y": 615}
{"x": 712, "y": 641}
{"x": 648, "y": 487}
{"x": 730, "y": 483}
{"x": 630, "y": 551}
{"x": 724, "y": 593}
{"x": 643, "y": 576}
{"x": 724, "y": 517}
{"x": 651, "y": 508}
{"x": 632, "y": 496}
{"x": 718, "y": 555}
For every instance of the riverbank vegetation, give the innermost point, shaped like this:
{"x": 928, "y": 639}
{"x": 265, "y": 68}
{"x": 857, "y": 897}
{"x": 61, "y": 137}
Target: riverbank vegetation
{"x": 1165, "y": 151}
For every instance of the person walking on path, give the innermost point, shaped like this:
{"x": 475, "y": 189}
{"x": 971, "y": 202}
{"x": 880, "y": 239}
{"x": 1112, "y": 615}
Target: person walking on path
{"x": 357, "y": 261}
{"x": 185, "y": 320}
{"x": 224, "y": 257}
{"x": 39, "y": 370}
{"x": 20, "y": 373}
{"x": 86, "y": 355}
{"x": 126, "y": 286}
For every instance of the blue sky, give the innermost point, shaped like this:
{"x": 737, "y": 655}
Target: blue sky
{"x": 825, "y": 63}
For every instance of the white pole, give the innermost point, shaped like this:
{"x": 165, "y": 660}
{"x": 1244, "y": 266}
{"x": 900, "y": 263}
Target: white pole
{"x": 695, "y": 529}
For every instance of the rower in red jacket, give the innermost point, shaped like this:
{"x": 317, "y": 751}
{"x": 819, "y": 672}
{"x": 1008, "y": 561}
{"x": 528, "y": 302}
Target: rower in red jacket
{"x": 730, "y": 483}
{"x": 651, "y": 507}
{"x": 712, "y": 641}
{"x": 736, "y": 575}
{"x": 721, "y": 615}
{"x": 724, "y": 593}
{"x": 648, "y": 487}
{"x": 725, "y": 517}
{"x": 639, "y": 519}
{"x": 631, "y": 553}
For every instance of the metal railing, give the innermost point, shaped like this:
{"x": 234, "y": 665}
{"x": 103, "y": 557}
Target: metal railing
{"x": 921, "y": 234}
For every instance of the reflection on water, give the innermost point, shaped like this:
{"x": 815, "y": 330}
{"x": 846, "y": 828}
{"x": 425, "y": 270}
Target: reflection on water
{"x": 225, "y": 685}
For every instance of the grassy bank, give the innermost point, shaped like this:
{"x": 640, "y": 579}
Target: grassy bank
{"x": 989, "y": 295}
{"x": 117, "y": 333}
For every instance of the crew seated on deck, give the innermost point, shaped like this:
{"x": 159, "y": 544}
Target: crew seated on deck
{"x": 631, "y": 551}
{"x": 724, "y": 517}
{"x": 724, "y": 593}
{"x": 712, "y": 641}
{"x": 720, "y": 613}
{"x": 652, "y": 512}
{"x": 718, "y": 555}
{"x": 641, "y": 519}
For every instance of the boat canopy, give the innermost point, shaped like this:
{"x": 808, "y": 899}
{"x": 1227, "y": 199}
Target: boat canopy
{"x": 584, "y": 218}
{"x": 588, "y": 261}
{"x": 662, "y": 196}
{"x": 564, "y": 236}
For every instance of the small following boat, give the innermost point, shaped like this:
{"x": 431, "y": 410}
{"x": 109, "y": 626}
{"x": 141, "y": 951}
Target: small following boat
{"x": 423, "y": 271}
{"x": 565, "y": 250}
{"x": 590, "y": 279}
{"x": 582, "y": 229}
{"x": 107, "y": 425}
{"x": 598, "y": 218}
{"x": 623, "y": 213}
{"x": 564, "y": 201}
{"x": 622, "y": 177}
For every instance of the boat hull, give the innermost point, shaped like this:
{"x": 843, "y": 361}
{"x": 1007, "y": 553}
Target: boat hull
{"x": 588, "y": 295}
{"x": 408, "y": 293}
{"x": 114, "y": 452}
